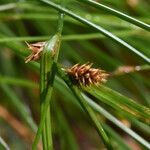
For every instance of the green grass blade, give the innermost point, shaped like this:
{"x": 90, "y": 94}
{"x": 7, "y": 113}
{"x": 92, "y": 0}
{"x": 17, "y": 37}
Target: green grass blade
{"x": 117, "y": 13}
{"x": 144, "y": 128}
{"x": 17, "y": 81}
{"x": 79, "y": 37}
{"x": 114, "y": 120}
{"x": 116, "y": 100}
{"x": 50, "y": 55}
{"x": 47, "y": 78}
{"x": 21, "y": 108}
{"x": 3, "y": 145}
{"x": 101, "y": 19}
{"x": 98, "y": 28}
{"x": 65, "y": 130}
{"x": 116, "y": 137}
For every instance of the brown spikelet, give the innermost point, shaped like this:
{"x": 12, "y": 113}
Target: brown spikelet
{"x": 86, "y": 75}
{"x": 36, "y": 49}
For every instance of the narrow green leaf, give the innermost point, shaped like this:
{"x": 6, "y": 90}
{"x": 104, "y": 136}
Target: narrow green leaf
{"x": 65, "y": 130}
{"x": 21, "y": 108}
{"x": 117, "y": 13}
{"x": 47, "y": 72}
{"x": 114, "y": 120}
{"x": 3, "y": 145}
{"x": 116, "y": 100}
{"x": 98, "y": 28}
{"x": 17, "y": 81}
{"x": 123, "y": 33}
{"x": 117, "y": 138}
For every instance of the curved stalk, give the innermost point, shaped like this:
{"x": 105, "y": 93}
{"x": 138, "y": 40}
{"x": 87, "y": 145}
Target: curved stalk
{"x": 49, "y": 56}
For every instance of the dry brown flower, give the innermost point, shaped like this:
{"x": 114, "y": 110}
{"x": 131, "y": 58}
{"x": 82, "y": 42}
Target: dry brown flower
{"x": 86, "y": 75}
{"x": 36, "y": 49}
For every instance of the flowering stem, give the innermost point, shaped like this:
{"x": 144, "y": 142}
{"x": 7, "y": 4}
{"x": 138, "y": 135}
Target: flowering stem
{"x": 75, "y": 90}
{"x": 49, "y": 56}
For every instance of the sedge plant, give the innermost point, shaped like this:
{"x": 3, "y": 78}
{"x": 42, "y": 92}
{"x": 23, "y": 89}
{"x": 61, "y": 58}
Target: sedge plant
{"x": 71, "y": 100}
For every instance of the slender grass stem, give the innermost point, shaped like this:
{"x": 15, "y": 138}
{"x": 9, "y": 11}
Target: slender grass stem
{"x": 49, "y": 56}
{"x": 48, "y": 130}
{"x": 46, "y": 88}
{"x": 43, "y": 84}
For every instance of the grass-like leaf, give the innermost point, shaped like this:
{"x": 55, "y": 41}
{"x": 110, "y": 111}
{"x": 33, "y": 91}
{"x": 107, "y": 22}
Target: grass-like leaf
{"x": 116, "y": 137}
{"x": 72, "y": 37}
{"x": 69, "y": 142}
{"x": 3, "y": 145}
{"x": 46, "y": 86}
{"x": 118, "y": 101}
{"x": 114, "y": 120}
{"x": 117, "y": 13}
{"x": 21, "y": 108}
{"x": 98, "y": 28}
{"x": 16, "y": 81}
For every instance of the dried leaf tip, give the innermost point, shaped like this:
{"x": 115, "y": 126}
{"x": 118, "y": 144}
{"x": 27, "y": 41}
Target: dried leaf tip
{"x": 86, "y": 75}
{"x": 36, "y": 49}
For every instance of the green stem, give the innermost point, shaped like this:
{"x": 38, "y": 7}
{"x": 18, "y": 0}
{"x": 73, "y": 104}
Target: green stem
{"x": 46, "y": 88}
{"x": 60, "y": 23}
{"x": 86, "y": 107}
{"x": 45, "y": 67}
{"x": 98, "y": 28}
{"x": 48, "y": 130}
{"x": 48, "y": 70}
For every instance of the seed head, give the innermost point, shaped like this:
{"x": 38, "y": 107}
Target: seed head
{"x": 86, "y": 75}
{"x": 36, "y": 49}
